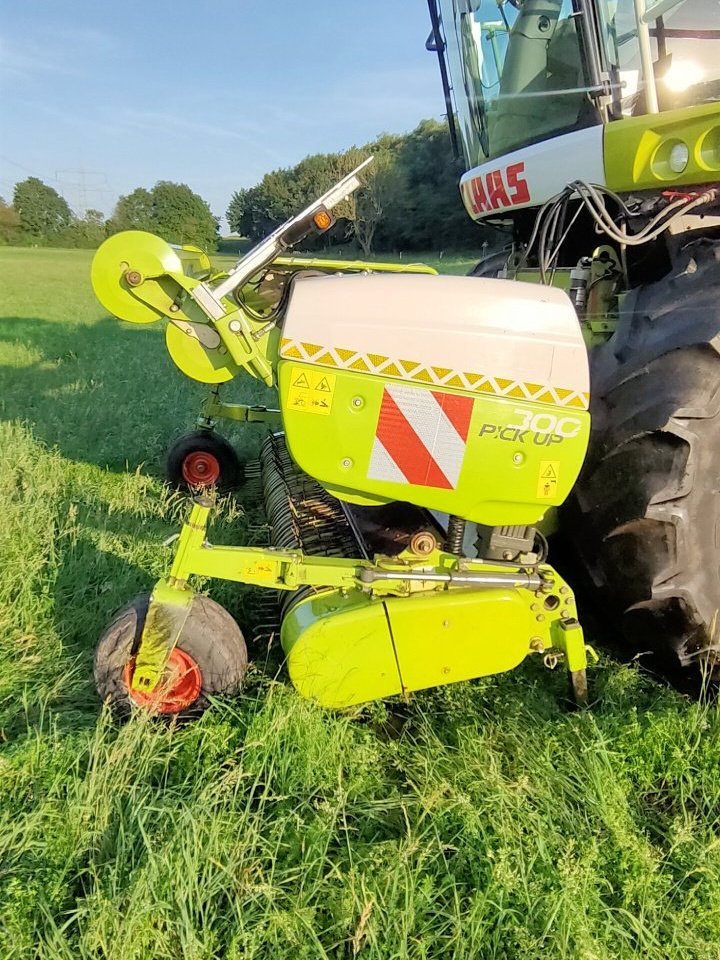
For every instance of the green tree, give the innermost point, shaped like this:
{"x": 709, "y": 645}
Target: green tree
{"x": 10, "y": 226}
{"x": 429, "y": 212}
{"x": 171, "y": 210}
{"x": 87, "y": 232}
{"x": 133, "y": 212}
{"x": 409, "y": 199}
{"x": 43, "y": 213}
{"x": 182, "y": 216}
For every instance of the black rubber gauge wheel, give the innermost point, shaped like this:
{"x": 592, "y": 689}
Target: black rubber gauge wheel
{"x": 203, "y": 459}
{"x": 210, "y": 658}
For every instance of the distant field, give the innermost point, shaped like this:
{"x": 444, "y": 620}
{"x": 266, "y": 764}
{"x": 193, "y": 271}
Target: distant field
{"x": 496, "y": 825}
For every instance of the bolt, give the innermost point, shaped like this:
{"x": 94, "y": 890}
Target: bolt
{"x": 564, "y": 590}
{"x": 234, "y": 326}
{"x": 507, "y": 554}
{"x": 357, "y": 401}
{"x": 565, "y": 613}
{"x": 446, "y": 670}
{"x": 422, "y": 543}
{"x": 536, "y": 644}
{"x": 540, "y": 618}
{"x": 446, "y": 623}
{"x": 347, "y": 462}
{"x": 174, "y": 308}
{"x": 518, "y": 458}
{"x": 534, "y": 607}
{"x": 133, "y": 278}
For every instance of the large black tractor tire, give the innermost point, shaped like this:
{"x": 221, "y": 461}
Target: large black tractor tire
{"x": 210, "y": 658}
{"x": 645, "y": 513}
{"x": 491, "y": 266}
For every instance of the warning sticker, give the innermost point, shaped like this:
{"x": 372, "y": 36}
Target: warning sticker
{"x": 311, "y": 391}
{"x": 548, "y": 476}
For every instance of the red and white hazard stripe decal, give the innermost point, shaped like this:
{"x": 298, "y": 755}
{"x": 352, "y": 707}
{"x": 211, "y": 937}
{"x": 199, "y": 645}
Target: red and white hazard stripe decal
{"x": 421, "y": 437}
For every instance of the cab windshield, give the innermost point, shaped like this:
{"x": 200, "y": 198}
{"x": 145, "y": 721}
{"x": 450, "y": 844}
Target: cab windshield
{"x": 685, "y": 45}
{"x": 520, "y": 75}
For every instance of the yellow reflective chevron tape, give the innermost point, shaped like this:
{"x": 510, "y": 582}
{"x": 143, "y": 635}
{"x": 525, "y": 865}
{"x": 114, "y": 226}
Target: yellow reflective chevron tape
{"x": 397, "y": 369}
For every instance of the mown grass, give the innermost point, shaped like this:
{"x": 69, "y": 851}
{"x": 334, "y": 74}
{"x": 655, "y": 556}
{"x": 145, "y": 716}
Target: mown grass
{"x": 492, "y": 823}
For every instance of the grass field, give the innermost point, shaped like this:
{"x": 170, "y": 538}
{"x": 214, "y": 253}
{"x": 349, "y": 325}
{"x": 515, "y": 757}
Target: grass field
{"x": 496, "y": 825}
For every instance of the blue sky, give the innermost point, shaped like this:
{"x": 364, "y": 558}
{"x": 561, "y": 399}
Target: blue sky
{"x": 99, "y": 98}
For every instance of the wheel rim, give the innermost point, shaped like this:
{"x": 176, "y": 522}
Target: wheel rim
{"x": 201, "y": 469}
{"x": 178, "y": 689}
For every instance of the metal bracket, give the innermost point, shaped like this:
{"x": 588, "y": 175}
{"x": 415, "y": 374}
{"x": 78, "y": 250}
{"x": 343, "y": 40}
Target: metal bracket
{"x": 166, "y": 616}
{"x": 568, "y": 638}
{"x": 214, "y": 409}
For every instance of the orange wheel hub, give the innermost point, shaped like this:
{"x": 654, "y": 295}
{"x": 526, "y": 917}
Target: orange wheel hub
{"x": 178, "y": 689}
{"x": 201, "y": 469}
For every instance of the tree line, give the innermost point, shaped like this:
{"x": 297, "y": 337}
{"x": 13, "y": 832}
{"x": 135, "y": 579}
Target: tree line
{"x": 409, "y": 200}
{"x": 39, "y": 215}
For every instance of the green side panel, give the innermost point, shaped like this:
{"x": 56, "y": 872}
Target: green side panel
{"x": 351, "y": 649}
{"x": 518, "y": 459}
{"x": 460, "y": 634}
{"x": 637, "y": 150}
{"x": 339, "y": 650}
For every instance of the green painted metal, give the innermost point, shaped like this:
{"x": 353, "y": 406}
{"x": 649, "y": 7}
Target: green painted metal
{"x": 370, "y": 627}
{"x": 443, "y": 638}
{"x": 166, "y": 616}
{"x": 140, "y": 278}
{"x": 339, "y": 649}
{"x": 357, "y": 636}
{"x": 199, "y": 353}
{"x": 350, "y": 266}
{"x": 503, "y": 460}
{"x": 132, "y": 251}
{"x": 214, "y": 409}
{"x": 636, "y": 150}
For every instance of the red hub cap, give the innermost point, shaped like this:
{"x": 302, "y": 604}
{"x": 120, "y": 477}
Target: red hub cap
{"x": 179, "y": 688}
{"x": 201, "y": 469}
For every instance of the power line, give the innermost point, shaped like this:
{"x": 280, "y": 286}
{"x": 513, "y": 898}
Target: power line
{"x": 82, "y": 188}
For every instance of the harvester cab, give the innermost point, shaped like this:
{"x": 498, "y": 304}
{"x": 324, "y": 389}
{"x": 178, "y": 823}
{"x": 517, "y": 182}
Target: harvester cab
{"x": 543, "y": 93}
{"x": 419, "y": 414}
{"x": 590, "y": 131}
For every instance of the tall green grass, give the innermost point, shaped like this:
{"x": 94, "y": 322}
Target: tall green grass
{"x": 483, "y": 820}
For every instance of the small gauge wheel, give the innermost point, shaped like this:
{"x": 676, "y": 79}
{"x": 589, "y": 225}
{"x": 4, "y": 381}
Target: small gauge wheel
{"x": 203, "y": 459}
{"x": 209, "y": 658}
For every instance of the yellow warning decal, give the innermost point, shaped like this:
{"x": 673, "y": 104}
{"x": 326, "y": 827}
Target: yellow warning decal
{"x": 548, "y": 476}
{"x": 311, "y": 391}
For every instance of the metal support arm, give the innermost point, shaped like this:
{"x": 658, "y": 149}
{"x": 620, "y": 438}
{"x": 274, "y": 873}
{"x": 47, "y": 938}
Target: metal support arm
{"x": 214, "y": 409}
{"x": 290, "y": 569}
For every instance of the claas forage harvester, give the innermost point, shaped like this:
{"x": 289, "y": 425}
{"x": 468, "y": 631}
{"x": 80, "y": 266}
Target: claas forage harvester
{"x": 426, "y": 425}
